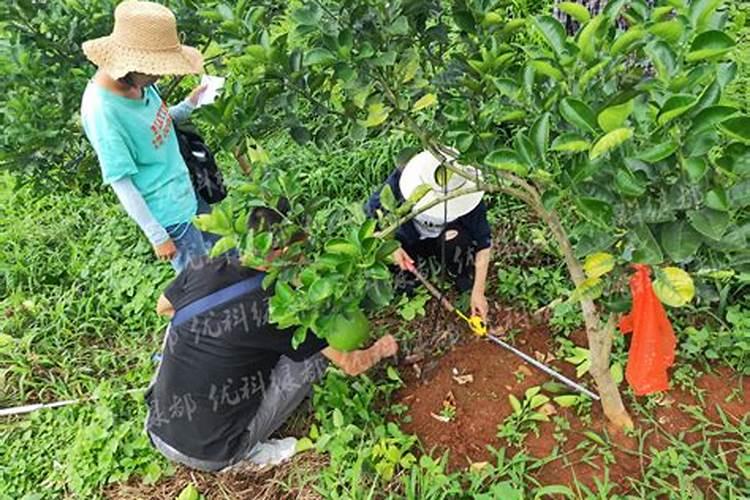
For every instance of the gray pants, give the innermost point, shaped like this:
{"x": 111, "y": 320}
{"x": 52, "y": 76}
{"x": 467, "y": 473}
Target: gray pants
{"x": 291, "y": 382}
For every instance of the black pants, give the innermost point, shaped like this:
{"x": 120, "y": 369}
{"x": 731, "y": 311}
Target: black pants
{"x": 460, "y": 252}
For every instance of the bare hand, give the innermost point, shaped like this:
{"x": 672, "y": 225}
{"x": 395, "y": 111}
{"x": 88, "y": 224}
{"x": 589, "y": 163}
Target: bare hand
{"x": 196, "y": 94}
{"x": 385, "y": 346}
{"x": 403, "y": 260}
{"x": 479, "y": 306}
{"x": 166, "y": 250}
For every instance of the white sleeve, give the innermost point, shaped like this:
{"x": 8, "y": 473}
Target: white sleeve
{"x": 137, "y": 209}
{"x": 181, "y": 112}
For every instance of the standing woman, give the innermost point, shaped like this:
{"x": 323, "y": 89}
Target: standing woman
{"x": 131, "y": 128}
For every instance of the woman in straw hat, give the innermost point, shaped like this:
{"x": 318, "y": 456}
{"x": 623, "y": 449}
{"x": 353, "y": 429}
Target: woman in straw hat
{"x": 455, "y": 232}
{"x": 131, "y": 130}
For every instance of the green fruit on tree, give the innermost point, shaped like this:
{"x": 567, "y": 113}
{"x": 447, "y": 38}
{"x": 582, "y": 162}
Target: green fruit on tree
{"x": 348, "y": 331}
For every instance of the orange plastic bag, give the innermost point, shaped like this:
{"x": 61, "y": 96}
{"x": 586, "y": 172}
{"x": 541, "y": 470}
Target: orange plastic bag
{"x": 652, "y": 349}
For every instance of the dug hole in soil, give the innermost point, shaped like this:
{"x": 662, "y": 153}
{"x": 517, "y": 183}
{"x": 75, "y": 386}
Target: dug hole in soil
{"x": 481, "y": 405}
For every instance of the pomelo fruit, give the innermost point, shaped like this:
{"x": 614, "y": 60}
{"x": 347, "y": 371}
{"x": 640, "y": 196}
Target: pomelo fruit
{"x": 347, "y": 331}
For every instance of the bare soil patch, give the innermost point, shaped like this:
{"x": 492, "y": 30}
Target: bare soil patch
{"x": 482, "y": 404}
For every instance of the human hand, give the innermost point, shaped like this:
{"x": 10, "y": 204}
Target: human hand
{"x": 195, "y": 95}
{"x": 385, "y": 346}
{"x": 166, "y": 250}
{"x": 403, "y": 260}
{"x": 479, "y": 305}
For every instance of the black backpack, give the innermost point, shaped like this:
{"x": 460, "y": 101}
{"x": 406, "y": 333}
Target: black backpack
{"x": 205, "y": 174}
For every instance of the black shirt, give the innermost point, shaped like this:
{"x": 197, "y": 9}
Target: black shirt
{"x": 216, "y": 366}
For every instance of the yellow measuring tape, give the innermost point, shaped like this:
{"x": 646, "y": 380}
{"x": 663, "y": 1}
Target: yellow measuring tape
{"x": 475, "y": 323}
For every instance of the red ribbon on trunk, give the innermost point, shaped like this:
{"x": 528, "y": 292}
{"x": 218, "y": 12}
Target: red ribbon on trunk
{"x": 652, "y": 349}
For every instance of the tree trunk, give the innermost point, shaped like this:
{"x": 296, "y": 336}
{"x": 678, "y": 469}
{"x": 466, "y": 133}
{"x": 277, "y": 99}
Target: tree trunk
{"x": 598, "y": 334}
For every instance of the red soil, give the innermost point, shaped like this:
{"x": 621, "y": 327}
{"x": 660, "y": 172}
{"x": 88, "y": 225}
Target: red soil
{"x": 483, "y": 404}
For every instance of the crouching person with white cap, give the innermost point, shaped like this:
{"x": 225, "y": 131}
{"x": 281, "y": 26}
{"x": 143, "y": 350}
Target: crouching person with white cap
{"x": 228, "y": 378}
{"x": 455, "y": 232}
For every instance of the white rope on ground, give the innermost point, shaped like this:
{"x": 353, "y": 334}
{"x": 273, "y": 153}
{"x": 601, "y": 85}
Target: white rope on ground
{"x": 24, "y": 409}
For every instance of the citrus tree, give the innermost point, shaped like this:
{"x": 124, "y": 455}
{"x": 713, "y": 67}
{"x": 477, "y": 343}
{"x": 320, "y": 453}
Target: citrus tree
{"x": 616, "y": 137}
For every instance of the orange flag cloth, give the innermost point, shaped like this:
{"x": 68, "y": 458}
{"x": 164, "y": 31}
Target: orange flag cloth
{"x": 652, "y": 348}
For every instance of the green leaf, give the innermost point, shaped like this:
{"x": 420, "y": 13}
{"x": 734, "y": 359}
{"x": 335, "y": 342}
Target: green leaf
{"x": 320, "y": 290}
{"x": 367, "y": 230}
{"x": 610, "y": 141}
{"x": 696, "y": 168}
{"x": 6, "y": 342}
{"x": 399, "y": 27}
{"x": 506, "y": 159}
{"x": 716, "y": 198}
{"x": 614, "y": 117}
{"x": 341, "y": 247}
{"x": 675, "y": 106}
{"x": 338, "y": 418}
{"x": 590, "y": 289}
{"x": 225, "y": 244}
{"x": 625, "y": 42}
{"x": 464, "y": 20}
{"x": 596, "y": 438}
{"x": 309, "y": 15}
{"x": 587, "y": 37}
{"x": 660, "y": 13}
{"x": 597, "y": 211}
{"x": 598, "y": 264}
{"x": 739, "y": 195}
{"x": 566, "y": 401}
{"x": 658, "y": 152}
{"x": 592, "y": 73}
{"x": 615, "y": 371}
{"x": 524, "y": 148}
{"x": 570, "y": 142}
{"x": 711, "y": 116}
{"x": 540, "y": 135}
{"x": 319, "y": 55}
{"x": 679, "y": 240}
{"x": 701, "y": 143}
{"x": 576, "y": 11}
{"x": 663, "y": 58}
{"x": 546, "y": 68}
{"x": 515, "y": 404}
{"x": 646, "y": 249}
{"x": 670, "y": 31}
{"x": 628, "y": 184}
{"x": 387, "y": 249}
{"x": 377, "y": 113}
{"x": 387, "y": 198}
{"x": 552, "y": 32}
{"x": 701, "y": 11}
{"x": 303, "y": 444}
{"x": 577, "y": 113}
{"x": 710, "y": 223}
{"x": 710, "y": 44}
{"x": 189, "y": 492}
{"x": 425, "y": 101}
{"x": 737, "y": 128}
{"x": 674, "y": 287}
{"x": 553, "y": 491}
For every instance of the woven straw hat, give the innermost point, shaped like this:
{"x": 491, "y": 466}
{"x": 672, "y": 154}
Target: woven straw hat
{"x": 144, "y": 40}
{"x": 422, "y": 169}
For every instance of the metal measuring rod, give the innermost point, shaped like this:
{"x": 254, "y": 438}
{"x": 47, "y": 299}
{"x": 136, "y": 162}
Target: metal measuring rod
{"x": 480, "y": 330}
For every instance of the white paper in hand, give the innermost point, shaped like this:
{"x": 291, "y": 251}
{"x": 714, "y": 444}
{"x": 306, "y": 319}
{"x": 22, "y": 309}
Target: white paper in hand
{"x": 213, "y": 85}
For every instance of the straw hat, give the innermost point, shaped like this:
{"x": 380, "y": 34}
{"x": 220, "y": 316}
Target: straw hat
{"x": 144, "y": 40}
{"x": 422, "y": 169}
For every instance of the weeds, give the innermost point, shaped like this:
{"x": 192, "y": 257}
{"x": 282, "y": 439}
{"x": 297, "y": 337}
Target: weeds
{"x": 525, "y": 417}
